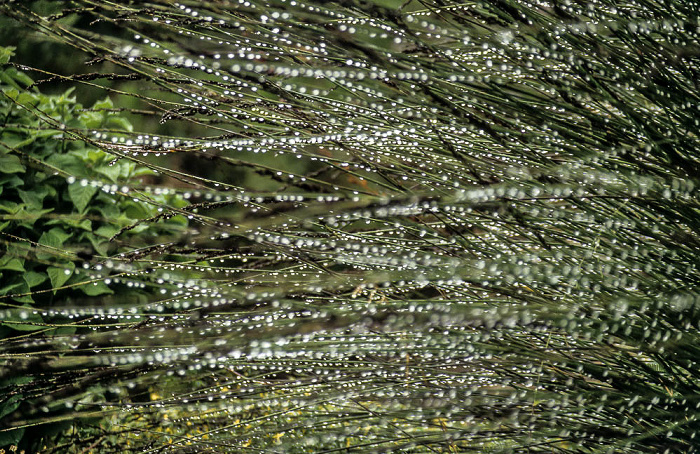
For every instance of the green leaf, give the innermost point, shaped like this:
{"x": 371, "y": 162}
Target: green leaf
{"x": 11, "y": 163}
{"x": 107, "y": 231}
{"x": 54, "y": 240}
{"x": 27, "y": 218}
{"x": 16, "y": 288}
{"x": 84, "y": 224}
{"x": 92, "y": 119}
{"x": 62, "y": 331}
{"x": 6, "y": 53}
{"x": 11, "y": 82}
{"x": 10, "y": 404}
{"x": 98, "y": 243}
{"x": 136, "y": 210}
{"x": 108, "y": 210}
{"x": 10, "y": 207}
{"x": 103, "y": 104}
{"x": 8, "y": 262}
{"x": 11, "y": 139}
{"x": 27, "y": 99}
{"x": 12, "y": 288}
{"x": 81, "y": 194}
{"x": 34, "y": 198}
{"x": 96, "y": 288}
{"x": 59, "y": 275}
{"x": 120, "y": 122}
{"x": 11, "y": 437}
{"x": 69, "y": 163}
{"x": 11, "y": 93}
{"x": 13, "y": 381}
{"x": 112, "y": 172}
{"x": 33, "y": 136}
{"x": 141, "y": 171}
{"x": 23, "y": 78}
{"x": 95, "y": 156}
{"x": 11, "y": 181}
{"x": 29, "y": 136}
{"x": 32, "y": 278}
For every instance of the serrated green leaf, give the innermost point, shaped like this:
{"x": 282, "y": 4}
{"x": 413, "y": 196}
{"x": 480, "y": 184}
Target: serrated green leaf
{"x": 59, "y": 275}
{"x": 11, "y": 163}
{"x": 81, "y": 195}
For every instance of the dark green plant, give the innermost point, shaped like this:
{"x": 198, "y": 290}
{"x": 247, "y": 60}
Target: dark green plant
{"x": 64, "y": 200}
{"x": 464, "y": 227}
{"x": 64, "y": 205}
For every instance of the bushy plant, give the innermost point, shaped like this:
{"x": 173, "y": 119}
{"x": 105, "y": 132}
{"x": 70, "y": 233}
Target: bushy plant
{"x": 471, "y": 228}
{"x": 64, "y": 207}
{"x": 63, "y": 198}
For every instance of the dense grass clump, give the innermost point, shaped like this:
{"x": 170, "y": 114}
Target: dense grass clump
{"x": 410, "y": 227}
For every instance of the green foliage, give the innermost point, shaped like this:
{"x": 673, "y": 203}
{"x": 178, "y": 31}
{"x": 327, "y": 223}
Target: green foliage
{"x": 63, "y": 203}
{"x": 462, "y": 227}
{"x": 62, "y": 198}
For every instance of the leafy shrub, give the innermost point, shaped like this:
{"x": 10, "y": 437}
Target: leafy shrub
{"x": 63, "y": 199}
{"x": 64, "y": 205}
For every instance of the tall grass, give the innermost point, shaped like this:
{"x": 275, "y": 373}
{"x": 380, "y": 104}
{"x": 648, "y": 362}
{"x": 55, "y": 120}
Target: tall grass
{"x": 412, "y": 227}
